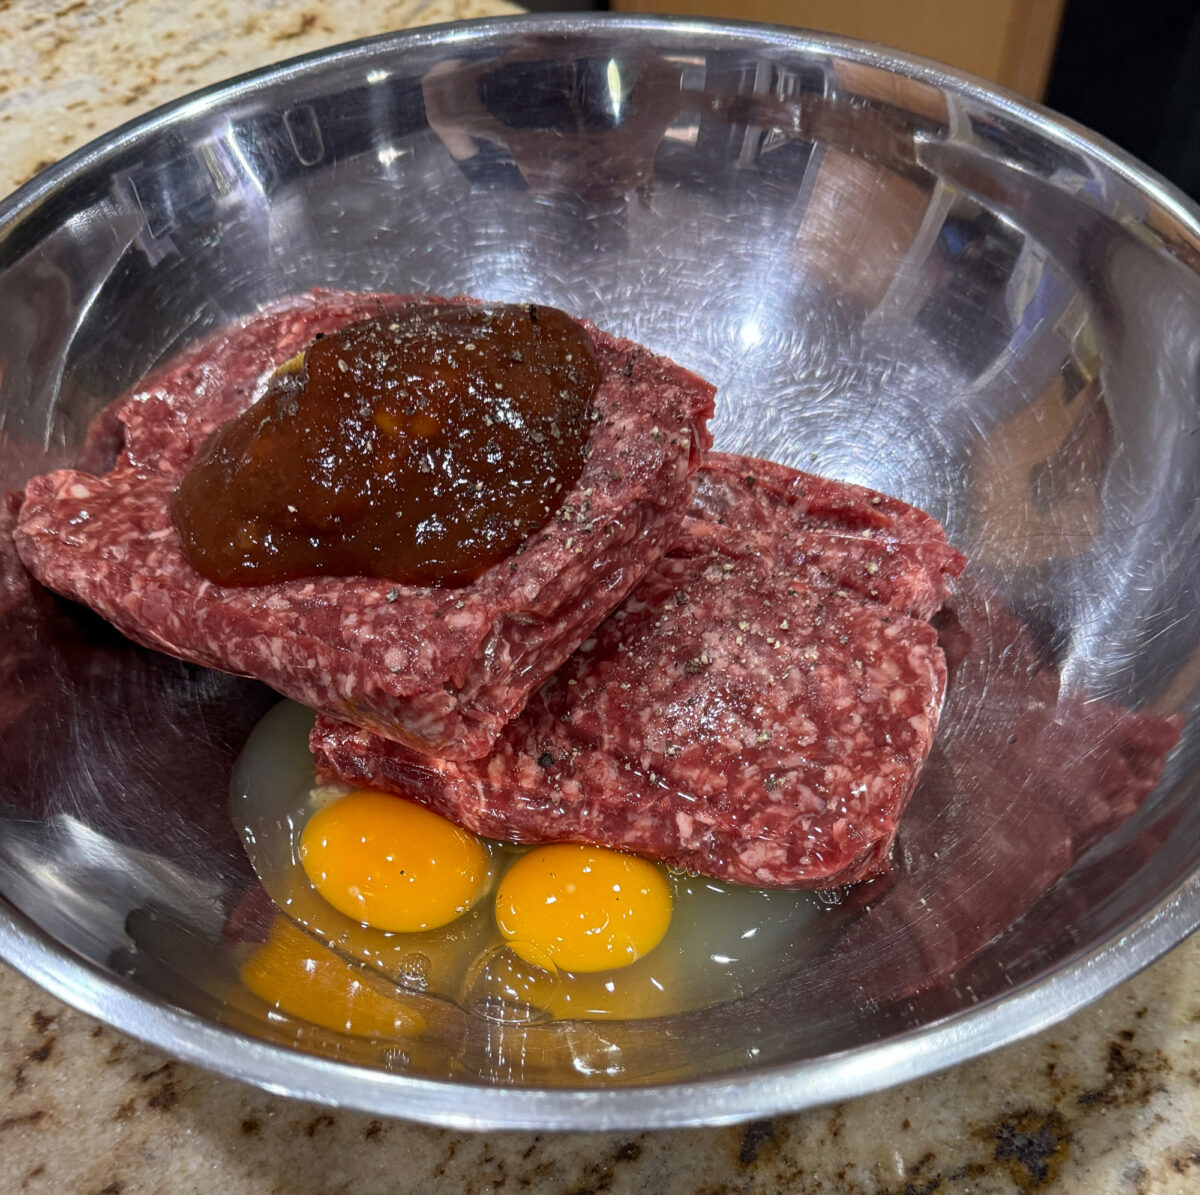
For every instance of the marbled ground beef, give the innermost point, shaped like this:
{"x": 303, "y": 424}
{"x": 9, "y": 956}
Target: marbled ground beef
{"x": 757, "y": 709}
{"x": 441, "y": 670}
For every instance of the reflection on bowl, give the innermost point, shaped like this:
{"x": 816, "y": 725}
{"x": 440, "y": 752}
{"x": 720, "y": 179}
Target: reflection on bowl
{"x": 895, "y": 277}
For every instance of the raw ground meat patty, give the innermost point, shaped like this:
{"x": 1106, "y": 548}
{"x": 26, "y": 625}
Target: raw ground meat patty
{"x": 757, "y": 710}
{"x": 441, "y": 669}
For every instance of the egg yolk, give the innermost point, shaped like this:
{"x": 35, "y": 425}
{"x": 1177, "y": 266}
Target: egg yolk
{"x": 582, "y": 908}
{"x": 392, "y": 864}
{"x": 300, "y": 977}
{"x": 432, "y": 961}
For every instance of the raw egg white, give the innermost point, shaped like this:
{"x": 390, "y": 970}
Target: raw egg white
{"x": 511, "y": 934}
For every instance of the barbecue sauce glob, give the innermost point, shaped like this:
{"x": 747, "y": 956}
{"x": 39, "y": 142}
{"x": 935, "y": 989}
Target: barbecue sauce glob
{"x": 420, "y": 446}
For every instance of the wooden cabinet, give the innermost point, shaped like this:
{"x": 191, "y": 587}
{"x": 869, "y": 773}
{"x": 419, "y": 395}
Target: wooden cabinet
{"x": 1008, "y": 41}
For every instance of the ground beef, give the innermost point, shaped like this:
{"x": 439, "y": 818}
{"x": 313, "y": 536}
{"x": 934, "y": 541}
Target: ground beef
{"x": 756, "y": 710}
{"x": 18, "y": 624}
{"x": 440, "y": 669}
{"x": 1022, "y": 793}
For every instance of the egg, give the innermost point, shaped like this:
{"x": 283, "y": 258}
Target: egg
{"x": 582, "y": 908}
{"x": 552, "y": 933}
{"x": 297, "y": 976}
{"x": 431, "y": 962}
{"x": 391, "y": 864}
{"x": 503, "y": 986}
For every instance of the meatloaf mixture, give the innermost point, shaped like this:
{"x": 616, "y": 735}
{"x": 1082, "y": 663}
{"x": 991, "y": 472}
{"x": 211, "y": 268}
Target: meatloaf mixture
{"x": 438, "y": 669}
{"x": 757, "y": 709}
{"x": 1023, "y": 793}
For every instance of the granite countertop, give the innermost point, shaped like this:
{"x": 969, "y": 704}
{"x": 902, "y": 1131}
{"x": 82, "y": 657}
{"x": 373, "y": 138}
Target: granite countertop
{"x": 1109, "y": 1101}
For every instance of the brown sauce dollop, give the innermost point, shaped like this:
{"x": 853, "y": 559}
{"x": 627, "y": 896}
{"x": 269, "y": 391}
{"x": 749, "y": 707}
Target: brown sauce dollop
{"x": 420, "y": 446}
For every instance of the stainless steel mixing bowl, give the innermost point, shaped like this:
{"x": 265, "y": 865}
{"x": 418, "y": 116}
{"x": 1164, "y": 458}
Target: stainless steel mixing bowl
{"x": 896, "y": 276}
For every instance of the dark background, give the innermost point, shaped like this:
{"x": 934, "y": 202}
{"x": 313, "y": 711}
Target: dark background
{"x": 1129, "y": 69}
{"x": 1132, "y": 72}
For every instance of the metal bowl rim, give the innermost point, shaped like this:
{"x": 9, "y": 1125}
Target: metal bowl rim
{"x": 1048, "y": 123}
{"x": 1027, "y": 1009}
{"x": 1024, "y": 1010}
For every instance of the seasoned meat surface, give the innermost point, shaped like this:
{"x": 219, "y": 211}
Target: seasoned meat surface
{"x": 438, "y": 669}
{"x": 757, "y": 709}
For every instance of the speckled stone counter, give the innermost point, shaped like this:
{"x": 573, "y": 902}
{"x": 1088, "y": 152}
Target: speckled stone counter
{"x": 1107, "y": 1102}
{"x": 74, "y": 69}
